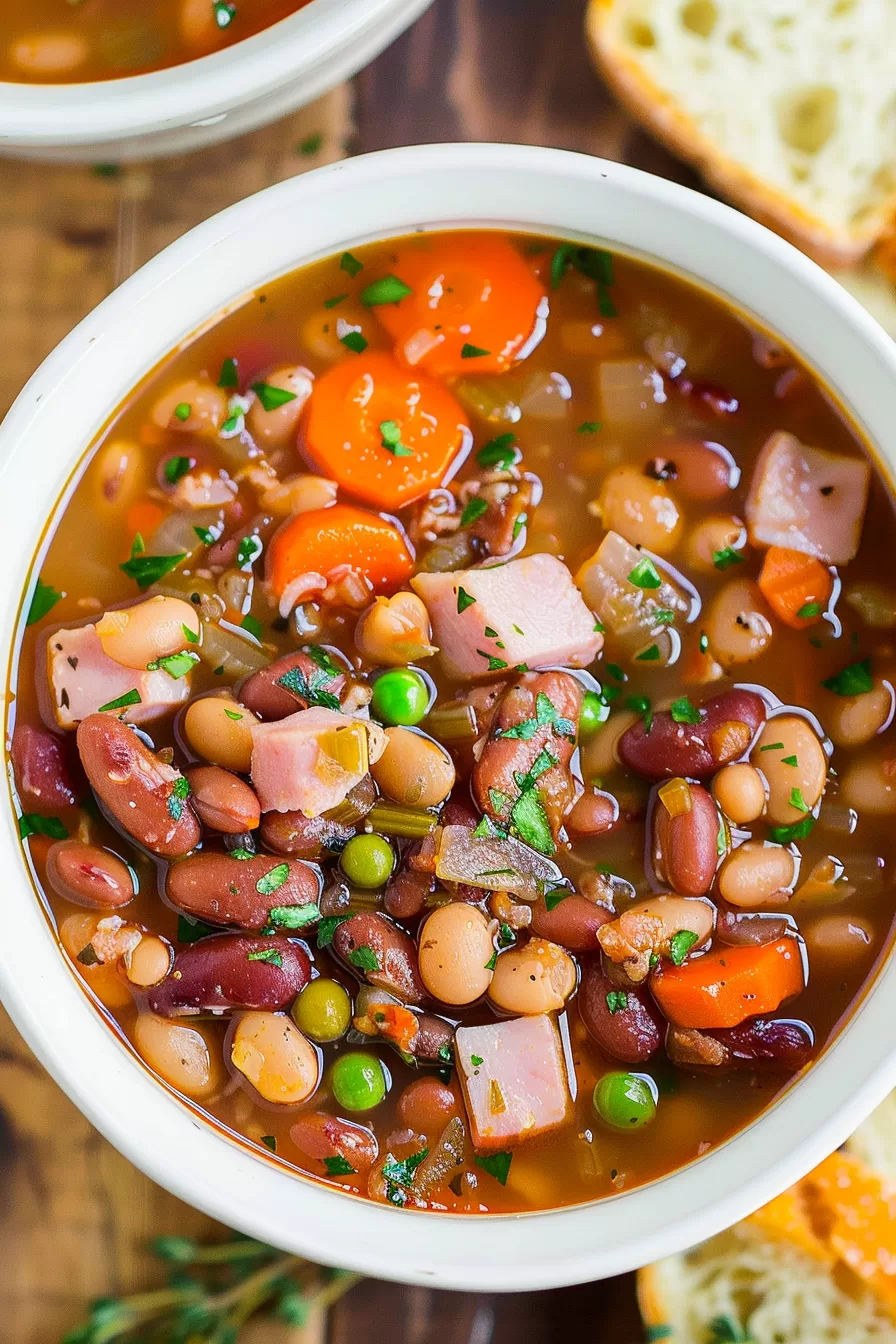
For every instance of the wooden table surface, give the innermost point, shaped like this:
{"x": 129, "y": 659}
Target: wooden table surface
{"x": 74, "y": 1215}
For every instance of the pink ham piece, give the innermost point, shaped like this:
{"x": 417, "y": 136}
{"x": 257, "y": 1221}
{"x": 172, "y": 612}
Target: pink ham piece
{"x": 83, "y": 679}
{"x": 531, "y": 605}
{"x": 807, "y": 499}
{"x": 514, "y": 1080}
{"x": 298, "y": 766}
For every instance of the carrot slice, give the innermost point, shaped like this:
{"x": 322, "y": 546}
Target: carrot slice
{"x": 144, "y": 517}
{"x": 323, "y": 541}
{"x": 724, "y": 988}
{"x": 386, "y": 435}
{"x": 474, "y": 304}
{"x": 793, "y": 583}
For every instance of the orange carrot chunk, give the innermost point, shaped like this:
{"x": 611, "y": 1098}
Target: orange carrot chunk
{"x": 386, "y": 435}
{"x": 723, "y": 988}
{"x": 473, "y": 307}
{"x": 332, "y": 542}
{"x": 796, "y": 586}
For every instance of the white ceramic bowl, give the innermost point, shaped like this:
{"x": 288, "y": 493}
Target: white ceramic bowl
{"x": 56, "y": 416}
{"x": 213, "y": 98}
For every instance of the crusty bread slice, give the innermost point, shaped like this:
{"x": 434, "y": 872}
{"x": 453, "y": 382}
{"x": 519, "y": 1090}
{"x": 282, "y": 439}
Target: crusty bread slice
{"x": 875, "y": 1141}
{"x": 788, "y": 107}
{"x": 809, "y": 1268}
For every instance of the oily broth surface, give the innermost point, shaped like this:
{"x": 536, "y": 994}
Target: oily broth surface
{"x": 286, "y": 323}
{"x": 111, "y": 39}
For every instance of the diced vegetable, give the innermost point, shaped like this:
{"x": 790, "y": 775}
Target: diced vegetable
{"x": 796, "y": 586}
{"x": 723, "y": 988}
{"x": 630, "y": 610}
{"x": 325, "y": 544}
{"x": 494, "y": 863}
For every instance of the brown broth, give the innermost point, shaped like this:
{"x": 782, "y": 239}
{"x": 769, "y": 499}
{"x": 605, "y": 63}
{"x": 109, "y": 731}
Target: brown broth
{"x": 288, "y": 323}
{"x": 54, "y": 42}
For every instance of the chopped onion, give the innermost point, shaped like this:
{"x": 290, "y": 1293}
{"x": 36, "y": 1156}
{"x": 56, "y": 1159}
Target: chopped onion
{"x": 874, "y": 602}
{"x": 237, "y": 655}
{"x": 545, "y": 397}
{"x": 494, "y": 863}
{"x": 665, "y": 351}
{"x": 625, "y": 609}
{"x": 177, "y": 532}
{"x": 826, "y": 884}
{"x": 442, "y": 1161}
{"x": 489, "y": 398}
{"x": 675, "y": 795}
{"x": 631, "y": 391}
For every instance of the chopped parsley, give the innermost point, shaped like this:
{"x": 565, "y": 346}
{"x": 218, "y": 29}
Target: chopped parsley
{"x": 492, "y": 961}
{"x": 335, "y": 301}
{"x": 468, "y": 351}
{"x": 251, "y": 626}
{"x": 179, "y": 791}
{"x": 809, "y": 610}
{"x": 499, "y": 452}
{"x": 387, "y": 290}
{"x": 726, "y": 557}
{"x": 205, "y": 535}
{"x": 123, "y": 701}
{"x": 364, "y": 958}
{"x": 499, "y": 801}
{"x": 663, "y": 616}
{"x": 249, "y": 549}
{"x": 641, "y": 705}
{"x": 645, "y": 574}
{"x": 339, "y": 1166}
{"x": 683, "y": 711}
{"x": 494, "y": 664}
{"x": 783, "y": 835}
{"x": 773, "y": 746}
{"x": 43, "y": 599}
{"x": 473, "y": 509}
{"x": 268, "y": 954}
{"x": 225, "y": 13}
{"x": 176, "y": 467}
{"x": 476, "y": 1060}
{"x": 680, "y": 945}
{"x": 240, "y": 853}
{"x": 30, "y": 823}
{"x": 403, "y": 1172}
{"x": 351, "y": 265}
{"x": 553, "y": 898}
{"x": 327, "y": 927}
{"x": 496, "y": 1164}
{"x": 789, "y": 760}
{"x": 726, "y": 1330}
{"x": 177, "y": 665}
{"x": 229, "y": 375}
{"x": 545, "y": 714}
{"x": 190, "y": 636}
{"x": 595, "y": 263}
{"x": 529, "y": 821}
{"x": 146, "y": 570}
{"x": 272, "y": 398}
{"x": 589, "y": 427}
{"x": 617, "y": 1000}
{"x": 464, "y": 600}
{"x": 269, "y": 1142}
{"x": 390, "y": 439}
{"x": 616, "y": 672}
{"x": 798, "y": 801}
{"x": 312, "y": 144}
{"x": 353, "y": 340}
{"x": 272, "y": 880}
{"x": 233, "y": 714}
{"x": 704, "y": 642}
{"x": 853, "y": 680}
{"x": 190, "y": 930}
{"x": 649, "y": 655}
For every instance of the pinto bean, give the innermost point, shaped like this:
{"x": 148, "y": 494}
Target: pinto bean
{"x": 594, "y": 813}
{"x": 684, "y": 848}
{"x": 272, "y": 1054}
{"x": 728, "y": 725}
{"x": 368, "y": 936}
{"x": 302, "y": 837}
{"x": 537, "y": 978}
{"x": 230, "y": 970}
{"x": 46, "y": 775}
{"x": 792, "y": 759}
{"x": 646, "y": 930}
{"x": 179, "y": 1054}
{"x": 633, "y": 1032}
{"x": 266, "y": 697}
{"x": 89, "y": 875}
{"x": 503, "y": 757}
{"x": 223, "y": 890}
{"x": 572, "y": 922}
{"x": 223, "y": 801}
{"x": 140, "y": 792}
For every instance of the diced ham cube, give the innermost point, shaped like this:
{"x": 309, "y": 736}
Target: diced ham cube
{"x": 83, "y": 679}
{"x": 807, "y": 499}
{"x": 514, "y": 1080}
{"x": 531, "y": 605}
{"x": 310, "y": 760}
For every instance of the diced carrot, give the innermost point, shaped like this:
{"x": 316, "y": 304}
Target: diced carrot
{"x": 325, "y": 540}
{"x": 724, "y": 988}
{"x": 396, "y": 1023}
{"x": 386, "y": 435}
{"x": 475, "y": 304}
{"x": 144, "y": 517}
{"x": 793, "y": 583}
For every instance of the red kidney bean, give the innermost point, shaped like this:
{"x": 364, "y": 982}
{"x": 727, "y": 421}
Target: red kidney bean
{"x": 89, "y": 875}
{"x": 633, "y": 1033}
{"x": 426, "y": 1105}
{"x": 230, "y": 970}
{"x": 594, "y": 813}
{"x": 406, "y": 894}
{"x": 684, "y": 849}
{"x": 302, "y": 837}
{"x": 136, "y": 788}
{"x": 728, "y": 725}
{"x": 573, "y": 922}
{"x": 365, "y": 937}
{"x": 223, "y": 890}
{"x": 757, "y": 1044}
{"x": 223, "y": 801}
{"x": 752, "y": 930}
{"x": 46, "y": 775}
{"x": 319, "y": 1136}
{"x": 262, "y": 693}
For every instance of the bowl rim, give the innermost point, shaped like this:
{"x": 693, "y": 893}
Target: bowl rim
{"x": 69, "y": 398}
{"x": 199, "y": 89}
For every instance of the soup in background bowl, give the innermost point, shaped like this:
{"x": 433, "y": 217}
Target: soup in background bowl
{"x": 451, "y": 735}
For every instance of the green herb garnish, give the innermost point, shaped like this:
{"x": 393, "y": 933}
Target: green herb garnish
{"x": 387, "y": 290}
{"x": 364, "y": 958}
{"x": 645, "y": 574}
{"x": 853, "y": 680}
{"x": 589, "y": 427}
{"x": 390, "y": 439}
{"x": 339, "y": 1166}
{"x": 783, "y": 835}
{"x": 327, "y": 927}
{"x": 680, "y": 945}
{"x": 726, "y": 557}
{"x": 252, "y": 626}
{"x": 496, "y": 1164}
{"x": 268, "y": 954}
{"x": 146, "y": 570}
{"x": 351, "y": 265}
{"x": 808, "y": 610}
{"x": 43, "y": 599}
{"x": 464, "y": 600}
{"x": 353, "y": 340}
{"x": 271, "y": 397}
{"x": 473, "y": 509}
{"x": 499, "y": 452}
{"x": 272, "y": 880}
{"x": 649, "y": 655}
{"x": 229, "y": 375}
{"x": 175, "y": 468}
{"x": 617, "y": 1000}
{"x": 468, "y": 351}
{"x": 31, "y": 823}
{"x": 683, "y": 711}
{"x": 312, "y": 144}
{"x": 123, "y": 701}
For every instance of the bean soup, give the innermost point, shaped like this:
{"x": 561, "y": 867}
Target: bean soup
{"x": 453, "y": 722}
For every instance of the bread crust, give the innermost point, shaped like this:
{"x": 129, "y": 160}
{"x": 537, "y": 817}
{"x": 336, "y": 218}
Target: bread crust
{"x": 653, "y": 1300}
{"x": 660, "y": 114}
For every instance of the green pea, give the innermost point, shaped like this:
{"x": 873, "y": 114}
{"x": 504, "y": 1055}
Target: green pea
{"x": 367, "y": 861}
{"x": 594, "y": 712}
{"x": 359, "y": 1081}
{"x": 625, "y": 1100}
{"x": 323, "y": 1010}
{"x": 400, "y": 697}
